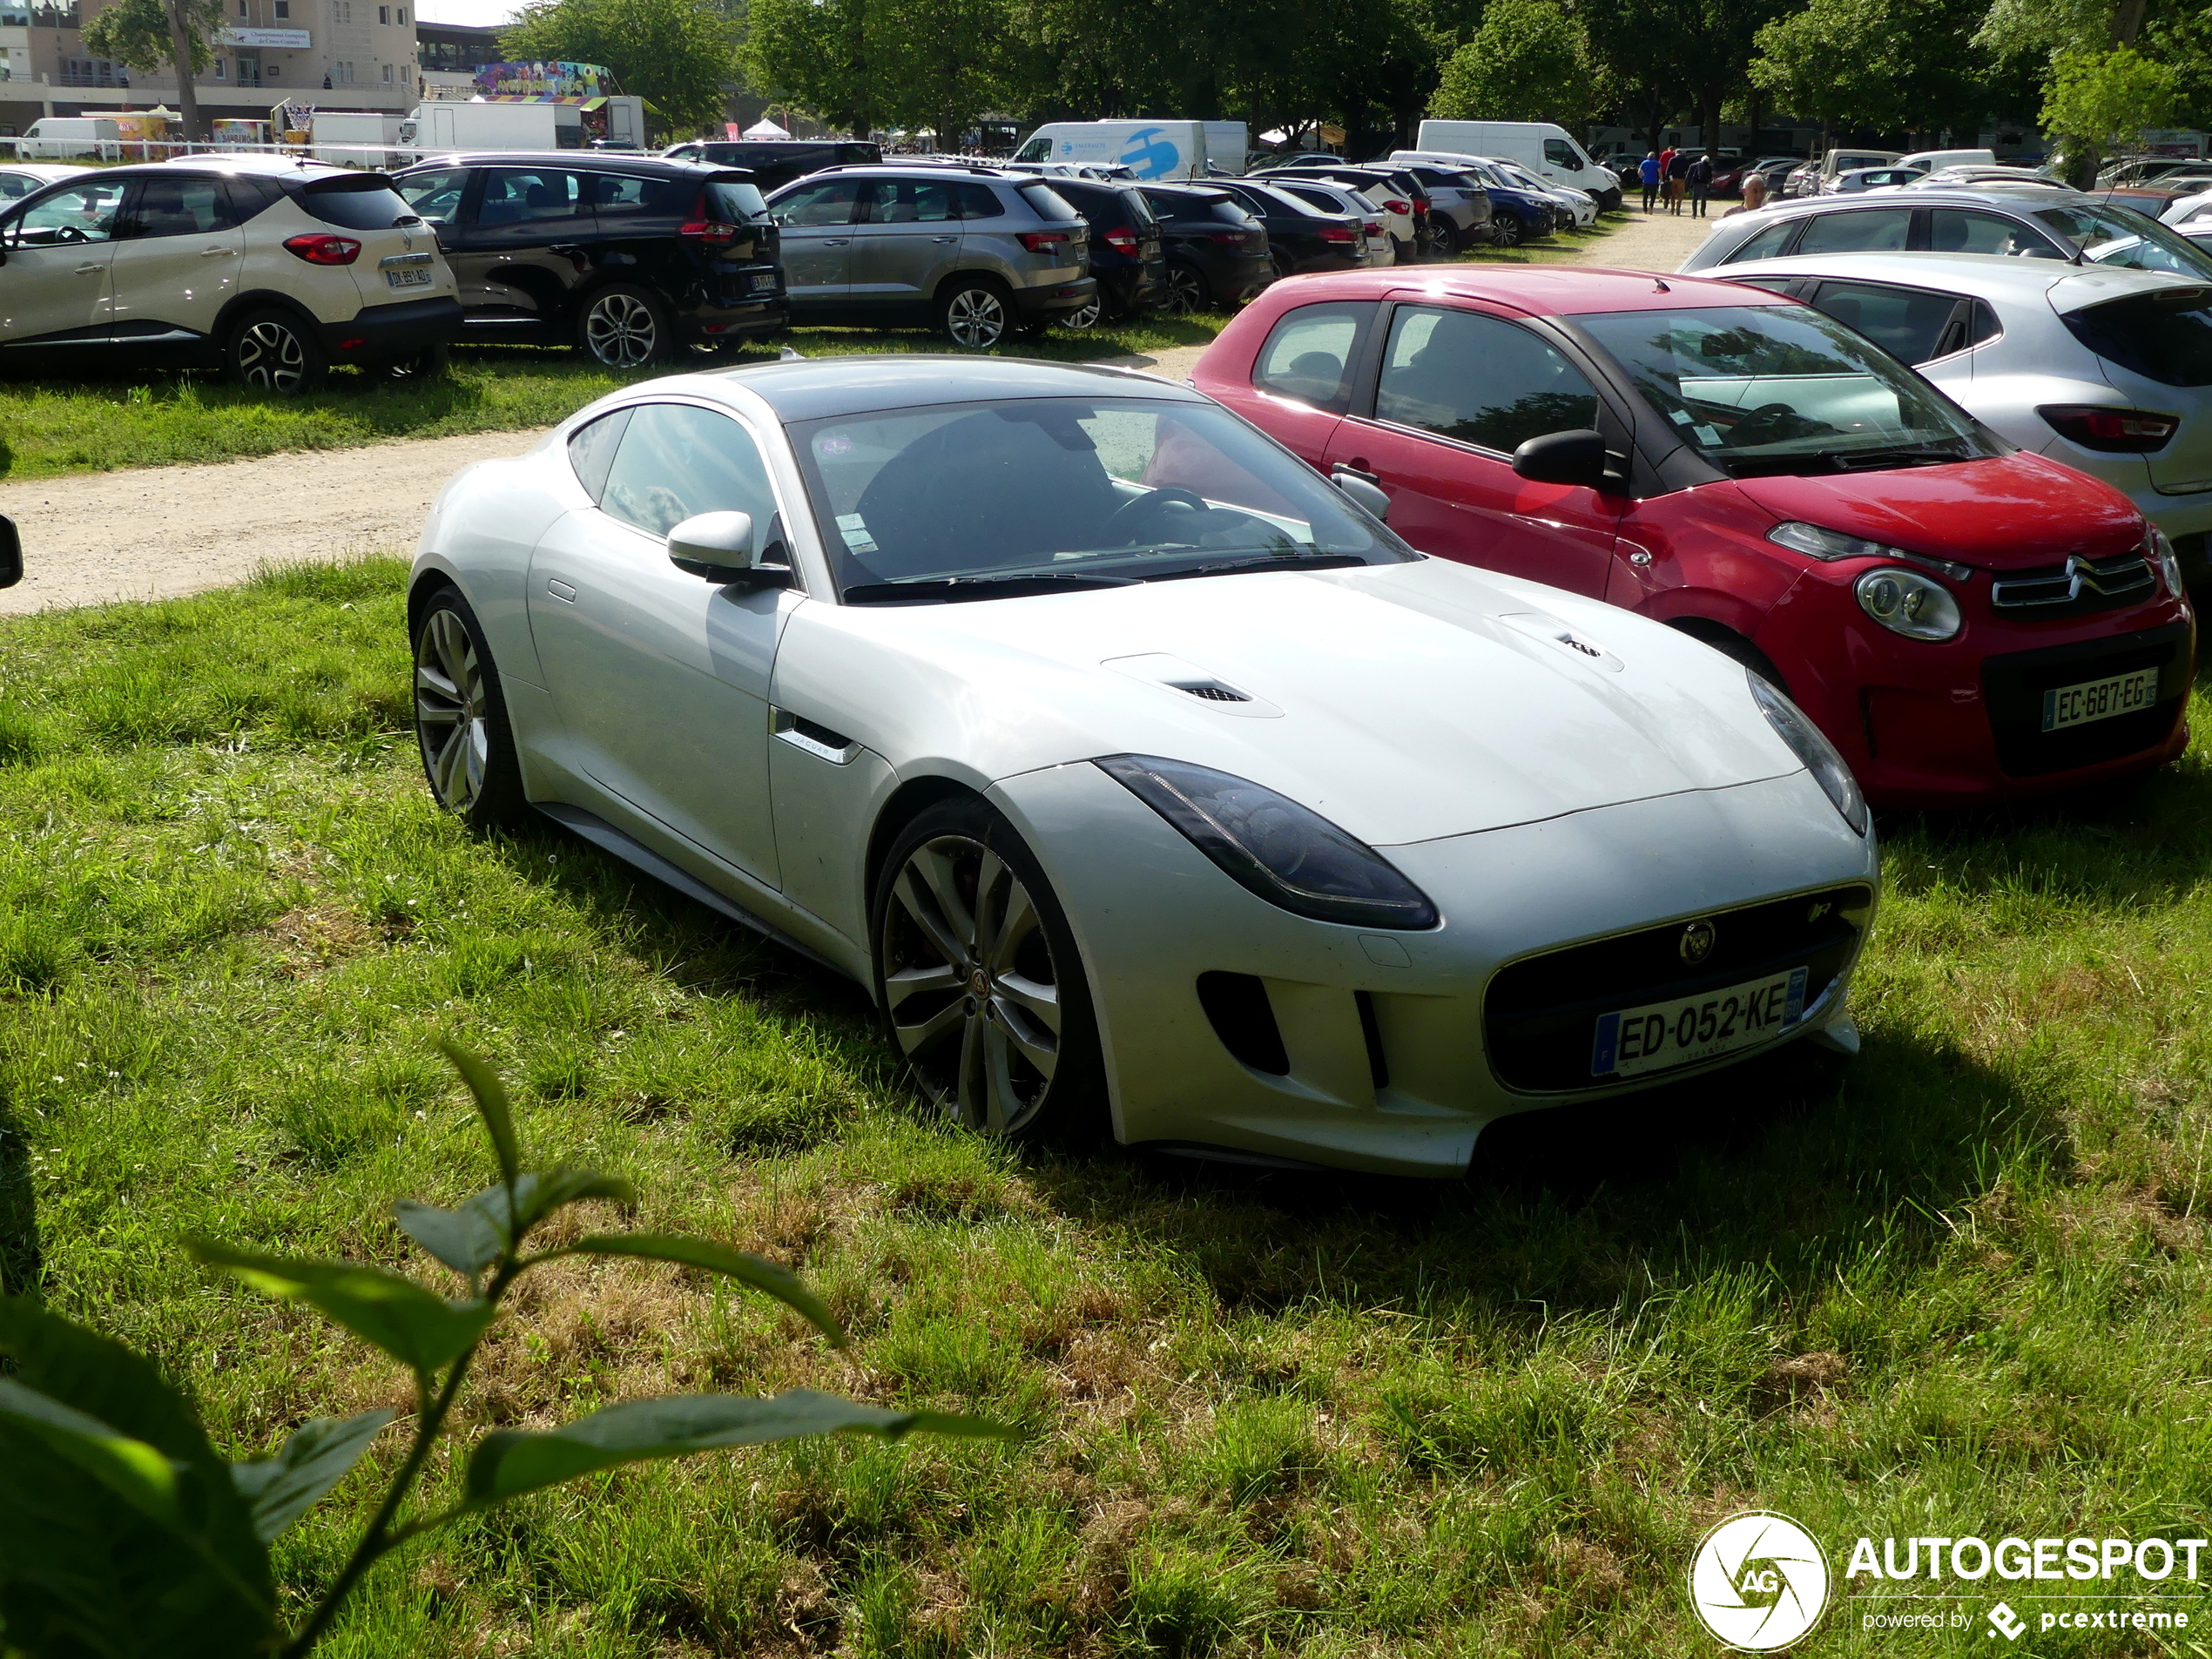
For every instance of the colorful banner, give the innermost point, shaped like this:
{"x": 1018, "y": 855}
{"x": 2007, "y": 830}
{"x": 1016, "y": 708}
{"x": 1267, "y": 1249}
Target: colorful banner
{"x": 543, "y": 82}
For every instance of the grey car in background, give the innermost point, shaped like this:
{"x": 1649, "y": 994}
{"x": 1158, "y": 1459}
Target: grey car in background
{"x": 1458, "y": 207}
{"x": 976, "y": 250}
{"x": 2107, "y": 370}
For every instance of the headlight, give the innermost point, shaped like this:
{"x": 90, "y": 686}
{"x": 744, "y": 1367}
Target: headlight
{"x": 2161, "y": 554}
{"x": 1905, "y": 602}
{"x": 1274, "y": 847}
{"x": 1819, "y": 755}
{"x": 1831, "y": 545}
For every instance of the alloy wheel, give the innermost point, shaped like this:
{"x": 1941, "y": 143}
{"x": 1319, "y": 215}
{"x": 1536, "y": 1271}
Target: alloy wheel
{"x": 450, "y": 712}
{"x": 1084, "y": 316}
{"x": 970, "y": 983}
{"x": 1508, "y": 232}
{"x": 620, "y": 331}
{"x": 271, "y": 358}
{"x": 977, "y": 317}
{"x": 1186, "y": 290}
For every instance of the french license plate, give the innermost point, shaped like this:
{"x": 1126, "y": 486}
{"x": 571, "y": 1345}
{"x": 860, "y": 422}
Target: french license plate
{"x": 419, "y": 277}
{"x": 2099, "y": 699}
{"x": 1659, "y": 1034}
{"x": 764, "y": 281}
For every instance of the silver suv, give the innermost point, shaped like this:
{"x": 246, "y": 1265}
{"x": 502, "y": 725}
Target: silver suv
{"x": 977, "y": 251}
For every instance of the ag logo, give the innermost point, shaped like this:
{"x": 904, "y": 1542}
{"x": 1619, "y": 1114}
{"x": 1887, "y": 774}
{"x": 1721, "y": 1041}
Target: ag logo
{"x": 1758, "y": 1581}
{"x": 1697, "y": 941}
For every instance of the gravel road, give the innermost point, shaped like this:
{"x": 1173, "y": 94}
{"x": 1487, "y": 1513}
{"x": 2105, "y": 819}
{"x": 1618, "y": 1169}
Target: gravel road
{"x": 159, "y": 531}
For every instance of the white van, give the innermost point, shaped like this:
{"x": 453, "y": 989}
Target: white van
{"x": 62, "y": 138}
{"x": 1544, "y": 149}
{"x": 1152, "y": 150}
{"x": 1929, "y": 160}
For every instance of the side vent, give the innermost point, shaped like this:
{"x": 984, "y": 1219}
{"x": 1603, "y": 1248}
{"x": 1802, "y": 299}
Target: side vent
{"x": 1212, "y": 691}
{"x": 1237, "y": 1009}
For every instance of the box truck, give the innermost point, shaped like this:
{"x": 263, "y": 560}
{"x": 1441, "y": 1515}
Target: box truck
{"x": 1544, "y": 149}
{"x": 1152, "y": 150}
{"x": 357, "y": 138}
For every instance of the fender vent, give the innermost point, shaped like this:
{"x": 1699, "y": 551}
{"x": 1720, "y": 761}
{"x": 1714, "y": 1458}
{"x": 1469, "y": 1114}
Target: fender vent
{"x": 1212, "y": 691}
{"x": 1237, "y": 1009}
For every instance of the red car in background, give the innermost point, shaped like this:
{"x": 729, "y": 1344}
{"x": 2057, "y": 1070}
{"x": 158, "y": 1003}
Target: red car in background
{"x": 1967, "y": 622}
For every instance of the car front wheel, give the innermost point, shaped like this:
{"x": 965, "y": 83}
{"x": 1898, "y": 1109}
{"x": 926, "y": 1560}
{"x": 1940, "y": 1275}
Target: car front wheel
{"x": 980, "y": 981}
{"x": 1505, "y": 231}
{"x": 273, "y": 351}
{"x": 1186, "y": 290}
{"x": 624, "y": 328}
{"x": 461, "y": 724}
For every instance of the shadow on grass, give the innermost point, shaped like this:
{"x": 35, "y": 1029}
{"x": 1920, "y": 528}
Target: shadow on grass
{"x": 21, "y": 1260}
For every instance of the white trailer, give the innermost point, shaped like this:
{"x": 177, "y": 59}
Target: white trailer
{"x": 570, "y": 125}
{"x": 356, "y": 139}
{"x": 1152, "y": 150}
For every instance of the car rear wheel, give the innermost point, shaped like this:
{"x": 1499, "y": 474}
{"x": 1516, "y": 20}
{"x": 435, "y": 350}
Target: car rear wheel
{"x": 980, "y": 981}
{"x": 273, "y": 351}
{"x": 412, "y": 367}
{"x": 1186, "y": 290}
{"x": 1448, "y": 238}
{"x": 975, "y": 313}
{"x": 624, "y": 328}
{"x": 1505, "y": 231}
{"x": 461, "y": 724}
{"x": 1085, "y": 316}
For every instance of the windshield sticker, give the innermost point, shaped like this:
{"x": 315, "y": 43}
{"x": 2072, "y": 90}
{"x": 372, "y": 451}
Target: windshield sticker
{"x": 855, "y": 530}
{"x": 833, "y": 443}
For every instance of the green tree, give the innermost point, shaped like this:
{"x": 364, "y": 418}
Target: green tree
{"x": 2098, "y": 99}
{"x": 822, "y": 56}
{"x": 675, "y": 53}
{"x": 1878, "y": 64}
{"x": 1530, "y": 61}
{"x": 153, "y": 35}
{"x": 943, "y": 63}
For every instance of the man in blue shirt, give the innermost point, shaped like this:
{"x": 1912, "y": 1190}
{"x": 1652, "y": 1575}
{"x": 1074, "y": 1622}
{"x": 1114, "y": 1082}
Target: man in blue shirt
{"x": 1648, "y": 171}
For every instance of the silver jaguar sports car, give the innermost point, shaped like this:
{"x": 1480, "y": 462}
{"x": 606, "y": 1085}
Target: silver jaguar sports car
{"x": 1137, "y": 769}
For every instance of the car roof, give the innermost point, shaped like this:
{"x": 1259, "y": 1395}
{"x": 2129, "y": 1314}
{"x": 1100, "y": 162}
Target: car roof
{"x": 591, "y": 160}
{"x": 2025, "y": 197}
{"x": 1989, "y": 276}
{"x": 818, "y": 388}
{"x": 249, "y": 162}
{"x": 1542, "y": 290}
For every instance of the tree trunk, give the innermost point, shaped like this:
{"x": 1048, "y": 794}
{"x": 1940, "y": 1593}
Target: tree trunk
{"x": 180, "y": 55}
{"x": 2127, "y": 22}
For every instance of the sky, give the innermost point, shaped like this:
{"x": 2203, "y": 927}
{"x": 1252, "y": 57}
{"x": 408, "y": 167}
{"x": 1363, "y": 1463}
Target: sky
{"x": 466, "y": 11}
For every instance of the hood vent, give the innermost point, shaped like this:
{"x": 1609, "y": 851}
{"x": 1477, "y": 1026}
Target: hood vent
{"x": 1212, "y": 691}
{"x": 1186, "y": 678}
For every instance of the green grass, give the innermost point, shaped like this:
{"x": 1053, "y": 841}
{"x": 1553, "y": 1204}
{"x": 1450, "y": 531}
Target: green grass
{"x": 50, "y": 426}
{"x": 1958, "y": 1285}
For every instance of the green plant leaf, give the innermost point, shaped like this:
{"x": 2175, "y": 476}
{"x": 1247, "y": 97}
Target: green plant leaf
{"x": 415, "y": 1327}
{"x": 463, "y": 1239}
{"x": 760, "y": 1273}
{"x": 507, "y": 1462}
{"x": 538, "y": 1193}
{"x": 491, "y": 1101}
{"x": 282, "y": 1488}
{"x": 139, "y": 1474}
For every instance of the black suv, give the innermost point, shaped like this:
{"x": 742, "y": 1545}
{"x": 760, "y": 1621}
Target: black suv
{"x": 1125, "y": 254}
{"x": 630, "y": 258}
{"x": 1300, "y": 237}
{"x": 774, "y": 163}
{"x": 1217, "y": 253}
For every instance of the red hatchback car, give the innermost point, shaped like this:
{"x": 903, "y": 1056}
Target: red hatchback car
{"x": 1966, "y": 621}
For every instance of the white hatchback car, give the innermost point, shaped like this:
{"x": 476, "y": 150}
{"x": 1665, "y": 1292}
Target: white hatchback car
{"x": 270, "y": 268}
{"x": 2105, "y": 369}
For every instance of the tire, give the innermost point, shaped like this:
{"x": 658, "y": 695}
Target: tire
{"x": 1186, "y": 290}
{"x": 1282, "y": 266}
{"x": 1448, "y": 239}
{"x": 273, "y": 351}
{"x": 1086, "y": 316}
{"x": 625, "y": 327}
{"x": 1505, "y": 231}
{"x": 985, "y": 995}
{"x": 461, "y": 726}
{"x": 1732, "y": 645}
{"x": 413, "y": 368}
{"x": 974, "y": 312}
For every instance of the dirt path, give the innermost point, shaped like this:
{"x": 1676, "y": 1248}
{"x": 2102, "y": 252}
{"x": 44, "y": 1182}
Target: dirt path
{"x": 164, "y": 530}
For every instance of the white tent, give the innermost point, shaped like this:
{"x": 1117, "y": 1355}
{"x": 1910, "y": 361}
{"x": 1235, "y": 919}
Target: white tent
{"x": 764, "y": 128}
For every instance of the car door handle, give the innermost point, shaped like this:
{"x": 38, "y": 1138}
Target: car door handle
{"x": 835, "y": 241}
{"x": 944, "y": 238}
{"x": 213, "y": 252}
{"x": 559, "y": 590}
{"x": 1354, "y": 472}
{"x": 89, "y": 270}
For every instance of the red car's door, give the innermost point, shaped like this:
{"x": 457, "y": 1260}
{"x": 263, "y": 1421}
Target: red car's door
{"x": 1457, "y": 392}
{"x": 1301, "y": 380}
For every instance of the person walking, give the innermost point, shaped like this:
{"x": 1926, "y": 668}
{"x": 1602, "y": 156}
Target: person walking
{"x": 1700, "y": 179}
{"x": 1647, "y": 171}
{"x": 1677, "y": 173}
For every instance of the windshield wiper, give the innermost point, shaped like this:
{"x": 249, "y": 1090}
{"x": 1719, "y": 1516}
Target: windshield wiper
{"x": 1738, "y": 465}
{"x": 1265, "y": 562}
{"x": 953, "y": 589}
{"x": 1903, "y": 454}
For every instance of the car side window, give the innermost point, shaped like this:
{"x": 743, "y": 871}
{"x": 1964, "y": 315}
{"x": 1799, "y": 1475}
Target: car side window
{"x": 676, "y": 461}
{"x": 80, "y": 213}
{"x": 1561, "y": 154}
{"x": 591, "y": 450}
{"x": 1910, "y": 323}
{"x": 14, "y": 186}
{"x": 1311, "y": 354}
{"x": 437, "y": 196}
{"x": 616, "y": 195}
{"x": 906, "y": 201}
{"x": 1952, "y": 231}
{"x": 1767, "y": 245}
{"x": 1874, "y": 230}
{"x": 1479, "y": 380}
{"x": 977, "y": 201}
{"x": 528, "y": 195}
{"x": 828, "y": 203}
{"x": 185, "y": 207}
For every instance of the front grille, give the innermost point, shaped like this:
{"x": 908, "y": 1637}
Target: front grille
{"x": 2013, "y": 687}
{"x": 1539, "y": 1015}
{"x": 2076, "y": 588}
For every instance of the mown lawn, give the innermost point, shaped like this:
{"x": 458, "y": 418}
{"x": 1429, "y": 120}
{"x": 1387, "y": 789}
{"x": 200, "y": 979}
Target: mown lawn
{"x": 1955, "y": 1286}
{"x": 50, "y": 425}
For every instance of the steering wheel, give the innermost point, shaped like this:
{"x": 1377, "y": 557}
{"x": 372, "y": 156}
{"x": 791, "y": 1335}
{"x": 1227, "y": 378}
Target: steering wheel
{"x": 1761, "y": 425}
{"x": 1121, "y": 529}
{"x": 66, "y": 234}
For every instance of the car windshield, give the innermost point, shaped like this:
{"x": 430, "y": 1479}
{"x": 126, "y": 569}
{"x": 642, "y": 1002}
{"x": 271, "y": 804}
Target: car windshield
{"x": 1759, "y": 390}
{"x": 2117, "y": 236}
{"x": 981, "y": 500}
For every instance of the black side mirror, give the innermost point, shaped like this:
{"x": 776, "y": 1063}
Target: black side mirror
{"x": 10, "y": 553}
{"x": 1572, "y": 458}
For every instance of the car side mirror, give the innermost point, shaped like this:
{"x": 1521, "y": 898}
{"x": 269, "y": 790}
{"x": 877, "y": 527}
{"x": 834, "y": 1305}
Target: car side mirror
{"x": 1362, "y": 492}
{"x": 718, "y": 548}
{"x": 10, "y": 553}
{"x": 1573, "y": 457}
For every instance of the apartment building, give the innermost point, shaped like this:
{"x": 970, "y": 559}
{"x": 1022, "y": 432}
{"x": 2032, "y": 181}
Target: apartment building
{"x": 346, "y": 54}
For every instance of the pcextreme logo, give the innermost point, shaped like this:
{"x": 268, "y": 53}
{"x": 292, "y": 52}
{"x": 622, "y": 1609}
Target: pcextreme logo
{"x": 1758, "y": 1581}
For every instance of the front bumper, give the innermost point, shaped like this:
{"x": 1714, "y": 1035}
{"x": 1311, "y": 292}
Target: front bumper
{"x": 1054, "y": 300}
{"x": 1385, "y": 1062}
{"x": 393, "y": 330}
